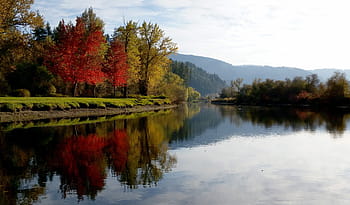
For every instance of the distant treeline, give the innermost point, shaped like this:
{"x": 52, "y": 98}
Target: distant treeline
{"x": 308, "y": 90}
{"x": 198, "y": 78}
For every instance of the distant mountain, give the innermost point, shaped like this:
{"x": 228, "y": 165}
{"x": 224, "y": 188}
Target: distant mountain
{"x": 198, "y": 78}
{"x": 230, "y": 72}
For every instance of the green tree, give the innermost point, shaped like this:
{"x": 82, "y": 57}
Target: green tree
{"x": 236, "y": 85}
{"x": 312, "y": 83}
{"x": 337, "y": 86}
{"x": 37, "y": 79}
{"x": 192, "y": 94}
{"x": 173, "y": 87}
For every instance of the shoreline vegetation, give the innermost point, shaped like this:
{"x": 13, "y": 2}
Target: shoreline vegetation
{"x": 312, "y": 105}
{"x": 39, "y": 108}
{"x": 298, "y": 92}
{"x": 79, "y": 59}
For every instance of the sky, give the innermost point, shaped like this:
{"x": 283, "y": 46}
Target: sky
{"x": 308, "y": 34}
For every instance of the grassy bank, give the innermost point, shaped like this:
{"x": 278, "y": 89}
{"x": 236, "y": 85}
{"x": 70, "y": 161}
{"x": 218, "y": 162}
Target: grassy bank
{"x": 17, "y": 104}
{"x": 75, "y": 121}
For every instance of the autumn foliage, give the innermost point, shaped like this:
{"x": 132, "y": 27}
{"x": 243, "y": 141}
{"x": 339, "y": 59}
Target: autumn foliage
{"x": 76, "y": 56}
{"x": 118, "y": 148}
{"x": 115, "y": 66}
{"x": 81, "y": 160}
{"x": 81, "y": 56}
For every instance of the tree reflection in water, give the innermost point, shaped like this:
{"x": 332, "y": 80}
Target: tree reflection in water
{"x": 80, "y": 162}
{"x": 135, "y": 150}
{"x": 297, "y": 119}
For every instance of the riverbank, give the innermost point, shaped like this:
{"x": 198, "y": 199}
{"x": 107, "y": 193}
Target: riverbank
{"x": 39, "y": 108}
{"x": 75, "y": 113}
{"x": 341, "y": 104}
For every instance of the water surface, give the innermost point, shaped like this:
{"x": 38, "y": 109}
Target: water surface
{"x": 193, "y": 155}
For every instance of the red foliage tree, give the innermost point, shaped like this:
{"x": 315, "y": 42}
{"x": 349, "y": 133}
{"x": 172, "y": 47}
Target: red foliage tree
{"x": 116, "y": 67}
{"x": 76, "y": 56}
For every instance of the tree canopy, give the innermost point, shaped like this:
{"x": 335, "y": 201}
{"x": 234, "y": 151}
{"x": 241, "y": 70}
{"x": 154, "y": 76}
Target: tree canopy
{"x": 17, "y": 20}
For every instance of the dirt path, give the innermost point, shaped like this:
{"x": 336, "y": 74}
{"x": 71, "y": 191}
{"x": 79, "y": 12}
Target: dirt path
{"x": 41, "y": 115}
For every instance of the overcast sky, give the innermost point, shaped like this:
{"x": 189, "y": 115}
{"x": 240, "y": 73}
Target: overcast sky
{"x": 308, "y": 34}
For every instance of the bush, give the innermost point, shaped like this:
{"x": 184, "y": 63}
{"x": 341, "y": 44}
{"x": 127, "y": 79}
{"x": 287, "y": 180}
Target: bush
{"x": 74, "y": 105}
{"x": 27, "y": 106}
{"x": 101, "y": 105}
{"x": 51, "y": 90}
{"x": 84, "y": 104}
{"x": 41, "y": 107}
{"x": 112, "y": 104}
{"x": 33, "y": 77}
{"x": 21, "y": 93}
{"x": 11, "y": 107}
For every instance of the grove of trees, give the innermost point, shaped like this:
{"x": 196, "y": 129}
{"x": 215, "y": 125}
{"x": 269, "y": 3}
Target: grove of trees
{"x": 308, "y": 90}
{"x": 79, "y": 59}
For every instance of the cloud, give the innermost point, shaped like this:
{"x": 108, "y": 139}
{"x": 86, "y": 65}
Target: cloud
{"x": 274, "y": 32}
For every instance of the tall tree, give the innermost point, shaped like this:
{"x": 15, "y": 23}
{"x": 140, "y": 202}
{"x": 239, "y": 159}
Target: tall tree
{"x": 16, "y": 23}
{"x": 337, "y": 86}
{"x": 76, "y": 56}
{"x": 127, "y": 34}
{"x": 154, "y": 49}
{"x": 116, "y": 67}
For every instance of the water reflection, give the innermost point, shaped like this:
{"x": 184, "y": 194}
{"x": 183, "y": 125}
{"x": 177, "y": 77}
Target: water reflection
{"x": 334, "y": 120}
{"x": 133, "y": 151}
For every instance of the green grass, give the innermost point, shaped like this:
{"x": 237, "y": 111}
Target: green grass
{"x": 15, "y": 104}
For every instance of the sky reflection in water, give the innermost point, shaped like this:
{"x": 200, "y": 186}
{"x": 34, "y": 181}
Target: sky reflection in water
{"x": 196, "y": 155}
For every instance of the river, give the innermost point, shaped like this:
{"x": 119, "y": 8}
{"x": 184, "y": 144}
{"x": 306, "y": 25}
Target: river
{"x": 196, "y": 154}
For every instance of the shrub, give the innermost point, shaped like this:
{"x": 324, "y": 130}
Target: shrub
{"x": 62, "y": 106}
{"x": 51, "y": 90}
{"x": 21, "y": 93}
{"x": 27, "y": 106}
{"x": 11, "y": 107}
{"x": 41, "y": 107}
{"x": 84, "y": 104}
{"x": 112, "y": 104}
{"x": 101, "y": 105}
{"x": 74, "y": 105}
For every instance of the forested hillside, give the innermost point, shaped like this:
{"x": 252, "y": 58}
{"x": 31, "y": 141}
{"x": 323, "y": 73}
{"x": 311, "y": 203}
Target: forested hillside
{"x": 248, "y": 73}
{"x": 198, "y": 78}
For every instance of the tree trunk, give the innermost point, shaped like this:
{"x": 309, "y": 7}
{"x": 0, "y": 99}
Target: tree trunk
{"x": 125, "y": 91}
{"x": 95, "y": 88}
{"x": 114, "y": 91}
{"x": 75, "y": 85}
{"x": 143, "y": 88}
